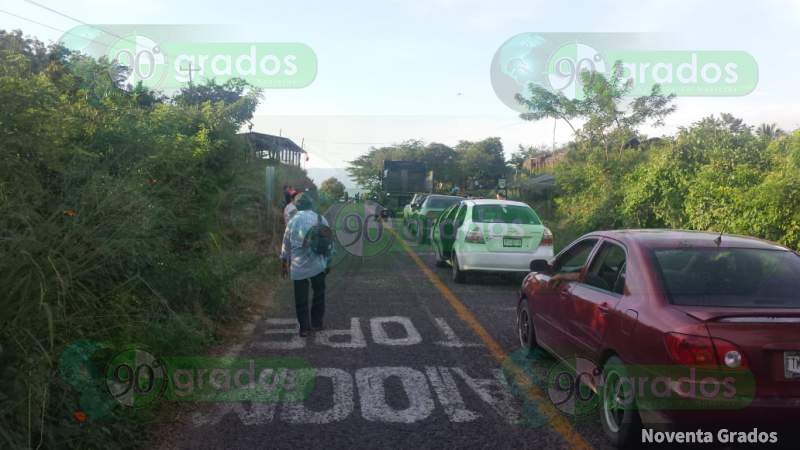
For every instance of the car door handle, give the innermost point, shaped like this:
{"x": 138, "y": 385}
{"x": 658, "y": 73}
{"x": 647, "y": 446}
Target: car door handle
{"x": 604, "y": 308}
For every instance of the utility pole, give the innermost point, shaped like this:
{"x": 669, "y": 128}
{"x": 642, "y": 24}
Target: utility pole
{"x": 190, "y": 70}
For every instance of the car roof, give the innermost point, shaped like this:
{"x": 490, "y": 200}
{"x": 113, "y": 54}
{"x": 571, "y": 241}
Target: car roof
{"x": 443, "y": 196}
{"x": 659, "y": 238}
{"x": 491, "y": 201}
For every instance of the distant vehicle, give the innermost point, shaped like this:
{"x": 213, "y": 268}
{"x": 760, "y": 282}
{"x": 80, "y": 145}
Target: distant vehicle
{"x": 410, "y": 209}
{"x": 490, "y": 235}
{"x": 432, "y": 205}
{"x": 649, "y": 304}
{"x": 400, "y": 180}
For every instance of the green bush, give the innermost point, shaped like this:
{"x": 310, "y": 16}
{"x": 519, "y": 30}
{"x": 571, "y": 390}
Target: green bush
{"x": 109, "y": 229}
{"x": 717, "y": 175}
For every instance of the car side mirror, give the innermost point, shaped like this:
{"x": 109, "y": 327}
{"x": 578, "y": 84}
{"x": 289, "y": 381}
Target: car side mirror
{"x": 540, "y": 265}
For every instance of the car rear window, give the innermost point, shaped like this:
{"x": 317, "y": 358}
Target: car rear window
{"x": 523, "y": 215}
{"x": 730, "y": 277}
{"x": 441, "y": 202}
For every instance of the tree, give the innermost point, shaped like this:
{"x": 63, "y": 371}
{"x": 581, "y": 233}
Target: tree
{"x": 443, "y": 161}
{"x": 608, "y": 119}
{"x": 332, "y": 188}
{"x": 482, "y": 161}
{"x": 769, "y": 131}
{"x": 240, "y": 99}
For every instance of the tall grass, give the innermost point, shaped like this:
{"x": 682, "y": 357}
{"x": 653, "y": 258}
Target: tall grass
{"x": 117, "y": 228}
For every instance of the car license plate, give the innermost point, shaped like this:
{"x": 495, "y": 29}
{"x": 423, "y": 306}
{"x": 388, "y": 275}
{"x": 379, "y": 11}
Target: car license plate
{"x": 512, "y": 242}
{"x": 791, "y": 364}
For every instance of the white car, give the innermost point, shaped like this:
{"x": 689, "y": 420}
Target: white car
{"x": 490, "y": 235}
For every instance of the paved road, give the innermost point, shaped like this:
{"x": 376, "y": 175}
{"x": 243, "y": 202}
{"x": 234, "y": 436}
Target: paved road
{"x": 408, "y": 360}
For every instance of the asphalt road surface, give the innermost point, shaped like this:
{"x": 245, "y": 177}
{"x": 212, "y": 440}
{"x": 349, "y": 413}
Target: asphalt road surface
{"x": 408, "y": 359}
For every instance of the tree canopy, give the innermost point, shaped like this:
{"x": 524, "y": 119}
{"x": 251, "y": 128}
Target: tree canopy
{"x": 332, "y": 188}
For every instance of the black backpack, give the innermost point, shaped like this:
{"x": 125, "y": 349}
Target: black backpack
{"x": 320, "y": 238}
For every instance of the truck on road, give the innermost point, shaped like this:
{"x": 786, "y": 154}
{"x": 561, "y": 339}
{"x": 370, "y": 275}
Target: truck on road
{"x": 400, "y": 180}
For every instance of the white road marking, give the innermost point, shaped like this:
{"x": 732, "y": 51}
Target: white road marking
{"x": 355, "y": 336}
{"x": 451, "y": 339}
{"x": 372, "y": 392}
{"x": 371, "y": 384}
{"x": 294, "y": 342}
{"x": 494, "y": 392}
{"x": 296, "y": 412}
{"x": 447, "y": 392}
{"x": 379, "y": 335}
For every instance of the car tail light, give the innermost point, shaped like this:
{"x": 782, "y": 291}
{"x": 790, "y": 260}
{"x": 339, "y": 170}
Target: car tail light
{"x": 691, "y": 350}
{"x": 547, "y": 237}
{"x": 728, "y": 354}
{"x": 474, "y": 236}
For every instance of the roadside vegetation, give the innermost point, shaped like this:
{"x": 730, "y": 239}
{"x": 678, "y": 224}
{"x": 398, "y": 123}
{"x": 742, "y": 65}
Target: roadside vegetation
{"x": 717, "y": 174}
{"x": 127, "y": 218}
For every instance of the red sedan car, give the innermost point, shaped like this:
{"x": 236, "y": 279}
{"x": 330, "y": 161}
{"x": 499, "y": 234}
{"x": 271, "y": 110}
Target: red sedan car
{"x": 647, "y": 306}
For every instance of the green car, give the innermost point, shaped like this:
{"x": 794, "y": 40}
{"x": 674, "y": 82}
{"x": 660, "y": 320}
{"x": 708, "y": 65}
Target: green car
{"x": 420, "y": 220}
{"x": 410, "y": 209}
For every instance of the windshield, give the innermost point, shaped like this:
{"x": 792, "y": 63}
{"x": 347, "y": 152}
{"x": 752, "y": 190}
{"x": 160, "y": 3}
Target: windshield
{"x": 441, "y": 202}
{"x": 523, "y": 215}
{"x": 730, "y": 277}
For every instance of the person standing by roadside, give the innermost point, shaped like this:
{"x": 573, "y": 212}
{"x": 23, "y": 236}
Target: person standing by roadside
{"x": 290, "y": 210}
{"x": 307, "y": 265}
{"x": 286, "y": 199}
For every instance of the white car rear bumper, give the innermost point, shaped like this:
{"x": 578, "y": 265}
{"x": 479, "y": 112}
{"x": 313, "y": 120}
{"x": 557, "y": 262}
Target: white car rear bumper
{"x": 501, "y": 261}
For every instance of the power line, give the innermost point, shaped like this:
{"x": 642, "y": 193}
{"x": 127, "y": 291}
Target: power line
{"x": 41, "y": 24}
{"x": 80, "y": 21}
{"x": 33, "y": 21}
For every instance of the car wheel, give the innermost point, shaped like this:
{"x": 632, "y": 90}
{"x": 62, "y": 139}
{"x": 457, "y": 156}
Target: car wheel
{"x": 421, "y": 232}
{"x": 440, "y": 262}
{"x": 458, "y": 275}
{"x": 411, "y": 229}
{"x": 618, "y": 414}
{"x": 525, "y": 330}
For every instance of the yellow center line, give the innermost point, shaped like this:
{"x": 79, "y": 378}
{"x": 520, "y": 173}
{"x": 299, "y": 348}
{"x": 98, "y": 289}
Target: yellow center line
{"x": 533, "y": 393}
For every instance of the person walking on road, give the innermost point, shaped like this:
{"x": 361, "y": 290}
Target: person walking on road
{"x": 304, "y": 257}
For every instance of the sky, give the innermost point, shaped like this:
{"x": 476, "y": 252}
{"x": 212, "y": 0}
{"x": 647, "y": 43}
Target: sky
{"x": 389, "y": 71}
